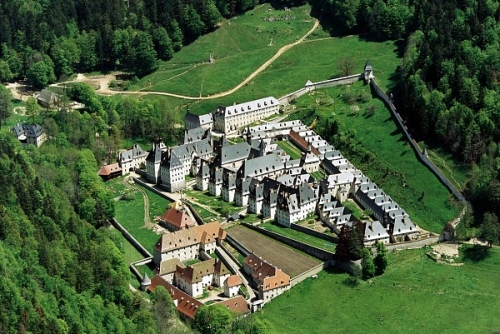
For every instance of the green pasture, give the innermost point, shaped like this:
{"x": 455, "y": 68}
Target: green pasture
{"x": 239, "y": 46}
{"x": 457, "y": 172}
{"x": 214, "y": 202}
{"x": 382, "y": 153}
{"x": 414, "y": 295}
{"x": 303, "y": 237}
{"x": 293, "y": 151}
{"x": 293, "y": 68}
{"x": 130, "y": 254}
{"x": 131, "y": 215}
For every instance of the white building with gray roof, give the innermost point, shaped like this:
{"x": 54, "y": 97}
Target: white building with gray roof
{"x": 132, "y": 159}
{"x": 230, "y": 119}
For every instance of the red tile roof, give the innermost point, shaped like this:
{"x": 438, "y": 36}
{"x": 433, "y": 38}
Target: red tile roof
{"x": 186, "y": 304}
{"x": 236, "y": 304}
{"x": 190, "y": 236}
{"x": 233, "y": 280}
{"x": 302, "y": 143}
{"x": 109, "y": 169}
{"x": 178, "y": 219}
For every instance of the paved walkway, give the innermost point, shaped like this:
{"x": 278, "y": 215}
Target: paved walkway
{"x": 237, "y": 269}
{"x": 415, "y": 244}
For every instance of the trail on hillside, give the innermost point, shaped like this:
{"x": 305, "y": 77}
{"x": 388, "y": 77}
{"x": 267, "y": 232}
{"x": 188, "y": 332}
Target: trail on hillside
{"x": 106, "y": 79}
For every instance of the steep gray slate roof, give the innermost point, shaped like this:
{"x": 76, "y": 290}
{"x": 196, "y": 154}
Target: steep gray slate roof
{"x": 195, "y": 134}
{"x": 135, "y": 152}
{"x": 248, "y": 106}
{"x": 332, "y": 155}
{"x": 172, "y": 161}
{"x": 261, "y": 165}
{"x": 256, "y": 189}
{"x": 155, "y": 154}
{"x": 206, "y": 119}
{"x": 402, "y": 226}
{"x": 33, "y": 130}
{"x": 243, "y": 185}
{"x": 325, "y": 149}
{"x": 375, "y": 230}
{"x": 47, "y": 97}
{"x": 274, "y": 126}
{"x": 233, "y": 153}
{"x": 17, "y": 129}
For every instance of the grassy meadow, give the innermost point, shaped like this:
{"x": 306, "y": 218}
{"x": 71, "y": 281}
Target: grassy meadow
{"x": 239, "y": 46}
{"x": 414, "y": 295}
{"x": 394, "y": 166}
{"x": 300, "y": 236}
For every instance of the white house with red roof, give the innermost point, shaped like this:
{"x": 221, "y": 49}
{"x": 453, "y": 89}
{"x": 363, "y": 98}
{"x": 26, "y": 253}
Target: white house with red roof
{"x": 269, "y": 280}
{"x": 232, "y": 286}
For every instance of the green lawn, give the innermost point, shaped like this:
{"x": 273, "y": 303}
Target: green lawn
{"x": 206, "y": 215}
{"x": 355, "y": 209}
{"x": 382, "y": 153}
{"x": 131, "y": 215}
{"x": 130, "y": 254}
{"x": 239, "y": 46}
{"x": 457, "y": 172}
{"x": 293, "y": 151}
{"x": 415, "y": 295}
{"x": 305, "y": 238}
{"x": 214, "y": 202}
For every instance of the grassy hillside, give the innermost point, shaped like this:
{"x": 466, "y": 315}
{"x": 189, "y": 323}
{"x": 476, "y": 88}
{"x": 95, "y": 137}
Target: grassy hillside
{"x": 239, "y": 46}
{"x": 415, "y": 295}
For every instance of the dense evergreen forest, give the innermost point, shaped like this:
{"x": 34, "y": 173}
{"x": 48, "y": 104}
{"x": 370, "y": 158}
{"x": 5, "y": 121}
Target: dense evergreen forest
{"x": 44, "y": 40}
{"x": 61, "y": 271}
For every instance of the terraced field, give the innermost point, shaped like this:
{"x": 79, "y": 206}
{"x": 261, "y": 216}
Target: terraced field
{"x": 289, "y": 260}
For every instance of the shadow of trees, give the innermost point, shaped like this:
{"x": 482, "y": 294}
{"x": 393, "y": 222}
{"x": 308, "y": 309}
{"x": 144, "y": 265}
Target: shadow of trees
{"x": 476, "y": 253}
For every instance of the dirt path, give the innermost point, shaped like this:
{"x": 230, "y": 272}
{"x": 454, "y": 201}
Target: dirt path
{"x": 106, "y": 79}
{"x": 147, "y": 221}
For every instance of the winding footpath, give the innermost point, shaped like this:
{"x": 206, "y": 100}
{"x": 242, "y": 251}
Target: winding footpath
{"x": 105, "y": 80}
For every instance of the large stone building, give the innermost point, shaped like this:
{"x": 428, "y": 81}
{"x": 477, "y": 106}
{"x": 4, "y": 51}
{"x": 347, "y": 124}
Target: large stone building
{"x": 230, "y": 119}
{"x": 29, "y": 134}
{"x": 132, "y": 159}
{"x": 186, "y": 244}
{"x": 269, "y": 281}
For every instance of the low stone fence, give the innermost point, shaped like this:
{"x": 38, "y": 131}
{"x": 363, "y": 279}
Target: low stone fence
{"x": 315, "y": 233}
{"x": 287, "y": 99}
{"x": 313, "y": 271}
{"x": 153, "y": 189}
{"x": 222, "y": 257}
{"x": 195, "y": 213}
{"x": 135, "y": 271}
{"x": 310, "y": 86}
{"x": 236, "y": 245}
{"x": 308, "y": 249}
{"x": 347, "y": 80}
{"x": 130, "y": 238}
{"x": 229, "y": 253}
{"x": 204, "y": 256}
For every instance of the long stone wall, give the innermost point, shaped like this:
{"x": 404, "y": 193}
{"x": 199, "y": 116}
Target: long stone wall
{"x": 308, "y": 249}
{"x": 347, "y": 80}
{"x": 236, "y": 245}
{"x": 313, "y": 271}
{"x": 310, "y": 86}
{"x": 415, "y": 146}
{"x": 314, "y": 233}
{"x": 130, "y": 238}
